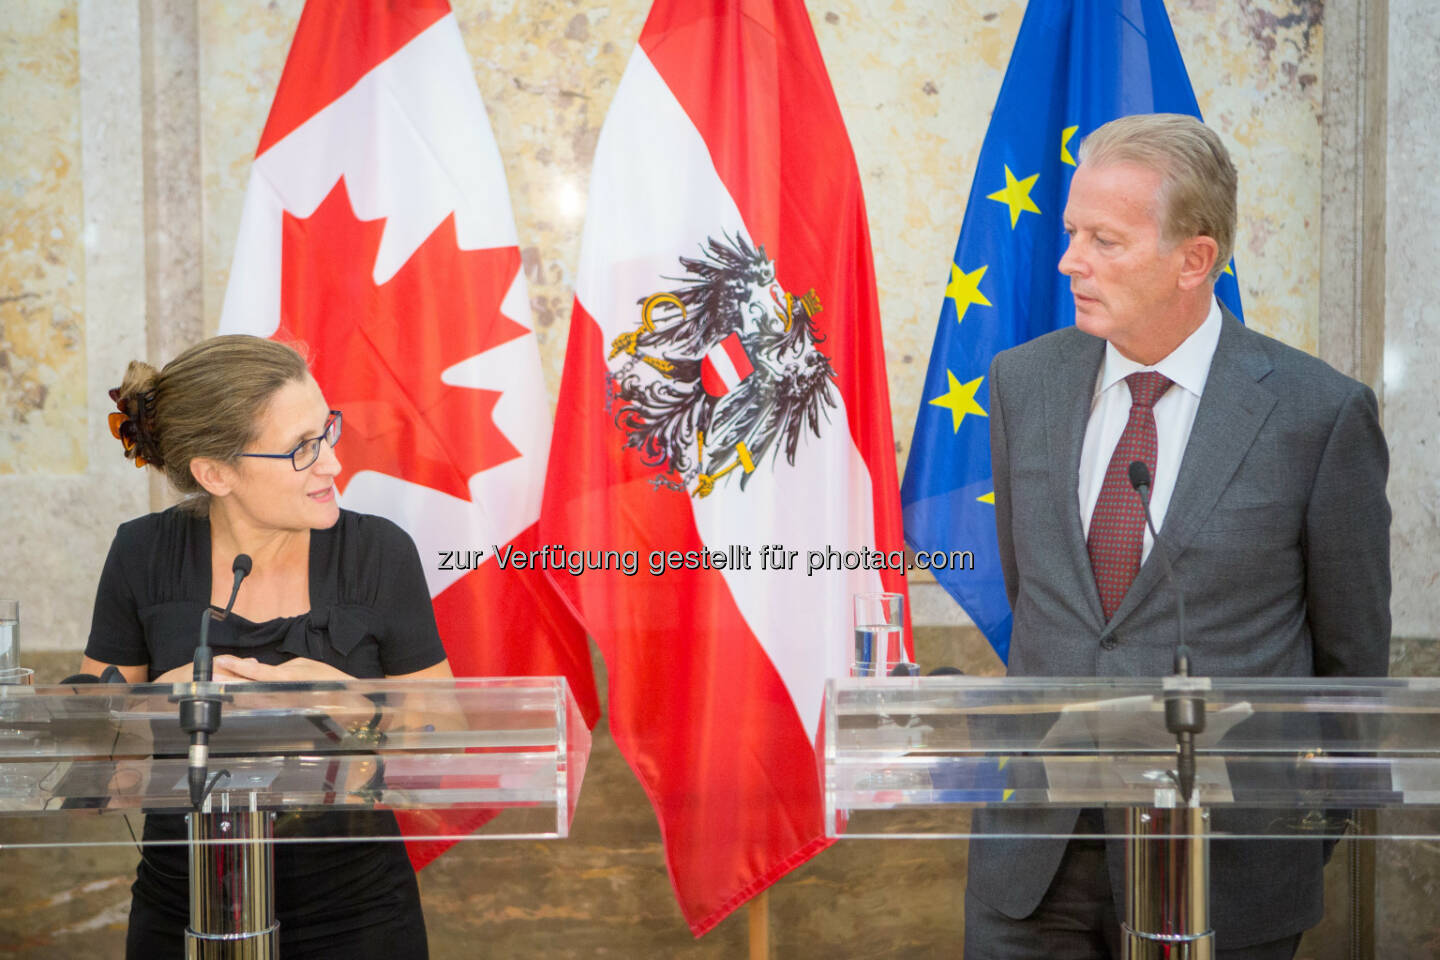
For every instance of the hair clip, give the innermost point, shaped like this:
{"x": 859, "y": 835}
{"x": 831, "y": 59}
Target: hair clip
{"x": 122, "y": 428}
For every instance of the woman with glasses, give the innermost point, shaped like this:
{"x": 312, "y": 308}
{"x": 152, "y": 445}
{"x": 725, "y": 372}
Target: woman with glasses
{"x": 243, "y": 432}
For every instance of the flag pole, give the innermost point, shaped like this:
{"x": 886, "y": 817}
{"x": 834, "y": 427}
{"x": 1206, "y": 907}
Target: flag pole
{"x": 759, "y": 910}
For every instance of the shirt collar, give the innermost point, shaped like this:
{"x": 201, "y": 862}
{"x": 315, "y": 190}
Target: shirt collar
{"x": 1187, "y": 365}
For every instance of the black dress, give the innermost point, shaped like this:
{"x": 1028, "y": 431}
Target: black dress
{"x": 370, "y": 616}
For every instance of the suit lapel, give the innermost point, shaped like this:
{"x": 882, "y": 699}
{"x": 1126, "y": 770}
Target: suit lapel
{"x": 1067, "y": 412}
{"x": 1231, "y": 412}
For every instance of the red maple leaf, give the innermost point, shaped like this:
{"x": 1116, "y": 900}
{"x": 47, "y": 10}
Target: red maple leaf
{"x": 378, "y": 351}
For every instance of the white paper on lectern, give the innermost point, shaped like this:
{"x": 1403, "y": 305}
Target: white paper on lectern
{"x": 1142, "y": 752}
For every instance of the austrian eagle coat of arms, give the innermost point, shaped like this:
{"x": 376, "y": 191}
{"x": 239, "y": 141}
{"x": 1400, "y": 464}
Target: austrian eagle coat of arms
{"x": 723, "y": 371}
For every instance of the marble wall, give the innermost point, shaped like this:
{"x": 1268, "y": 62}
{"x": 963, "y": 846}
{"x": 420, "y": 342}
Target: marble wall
{"x": 1412, "y": 314}
{"x": 42, "y": 377}
{"x": 71, "y": 300}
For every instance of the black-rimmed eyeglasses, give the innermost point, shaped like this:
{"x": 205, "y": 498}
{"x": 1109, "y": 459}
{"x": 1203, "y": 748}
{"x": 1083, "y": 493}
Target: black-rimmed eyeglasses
{"x": 307, "y": 451}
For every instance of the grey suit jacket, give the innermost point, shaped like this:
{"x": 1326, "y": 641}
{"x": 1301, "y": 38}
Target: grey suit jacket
{"x": 1279, "y": 535}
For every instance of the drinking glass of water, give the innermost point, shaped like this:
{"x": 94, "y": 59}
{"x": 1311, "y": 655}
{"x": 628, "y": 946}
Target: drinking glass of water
{"x": 879, "y": 648}
{"x": 9, "y": 634}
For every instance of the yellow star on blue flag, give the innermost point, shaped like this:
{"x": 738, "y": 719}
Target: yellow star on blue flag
{"x": 1016, "y": 196}
{"x": 960, "y": 399}
{"x": 964, "y": 289}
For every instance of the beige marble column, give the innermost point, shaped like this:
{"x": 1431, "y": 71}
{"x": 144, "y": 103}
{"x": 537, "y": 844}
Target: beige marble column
{"x": 1412, "y": 320}
{"x": 173, "y": 211}
{"x": 1409, "y": 872}
{"x": 1352, "y": 201}
{"x": 78, "y": 282}
{"x": 174, "y": 217}
{"x": 1352, "y": 324}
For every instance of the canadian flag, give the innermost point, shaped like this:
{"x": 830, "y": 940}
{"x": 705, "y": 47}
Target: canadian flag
{"x": 724, "y": 413}
{"x": 377, "y": 230}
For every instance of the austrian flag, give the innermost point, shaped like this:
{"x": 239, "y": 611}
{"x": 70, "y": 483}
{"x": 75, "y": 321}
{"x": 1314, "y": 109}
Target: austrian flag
{"x": 724, "y": 389}
{"x": 377, "y": 231}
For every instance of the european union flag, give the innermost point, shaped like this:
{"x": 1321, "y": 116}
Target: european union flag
{"x": 1076, "y": 65}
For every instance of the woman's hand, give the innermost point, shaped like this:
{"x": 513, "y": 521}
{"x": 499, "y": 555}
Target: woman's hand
{"x": 349, "y": 710}
{"x": 220, "y": 673}
{"x": 298, "y": 670}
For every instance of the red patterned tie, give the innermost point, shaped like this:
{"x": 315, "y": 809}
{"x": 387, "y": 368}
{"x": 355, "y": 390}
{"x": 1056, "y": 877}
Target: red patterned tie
{"x": 1117, "y": 528}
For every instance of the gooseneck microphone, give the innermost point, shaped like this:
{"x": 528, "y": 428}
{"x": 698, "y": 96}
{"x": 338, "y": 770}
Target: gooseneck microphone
{"x": 204, "y": 657}
{"x": 1184, "y": 711}
{"x": 200, "y": 716}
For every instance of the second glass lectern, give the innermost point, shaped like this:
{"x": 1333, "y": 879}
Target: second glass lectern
{"x": 1291, "y": 758}
{"x": 290, "y": 763}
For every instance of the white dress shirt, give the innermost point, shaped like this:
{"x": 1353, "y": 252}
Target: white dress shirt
{"x": 1188, "y": 366}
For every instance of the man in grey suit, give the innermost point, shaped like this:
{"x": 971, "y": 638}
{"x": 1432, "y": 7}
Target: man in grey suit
{"x": 1268, "y": 487}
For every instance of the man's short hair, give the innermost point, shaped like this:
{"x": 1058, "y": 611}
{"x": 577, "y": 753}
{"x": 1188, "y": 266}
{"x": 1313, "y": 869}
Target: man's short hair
{"x": 1197, "y": 186}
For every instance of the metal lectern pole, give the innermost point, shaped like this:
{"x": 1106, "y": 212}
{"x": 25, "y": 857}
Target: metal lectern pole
{"x": 1167, "y": 884}
{"x": 232, "y": 885}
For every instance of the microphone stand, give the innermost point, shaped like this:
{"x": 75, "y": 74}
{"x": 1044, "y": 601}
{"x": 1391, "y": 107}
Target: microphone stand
{"x": 1184, "y": 711}
{"x": 232, "y": 866}
{"x": 1167, "y": 853}
{"x": 200, "y": 714}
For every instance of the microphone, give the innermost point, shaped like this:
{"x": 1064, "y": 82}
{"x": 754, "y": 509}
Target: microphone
{"x": 1184, "y": 712}
{"x": 204, "y": 658}
{"x": 200, "y": 716}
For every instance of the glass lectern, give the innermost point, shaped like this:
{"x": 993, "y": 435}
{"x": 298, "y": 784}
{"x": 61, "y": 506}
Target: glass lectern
{"x": 1297, "y": 755}
{"x": 447, "y": 757}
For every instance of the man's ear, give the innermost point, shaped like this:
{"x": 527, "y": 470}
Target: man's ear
{"x": 216, "y": 476}
{"x": 1198, "y": 255}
